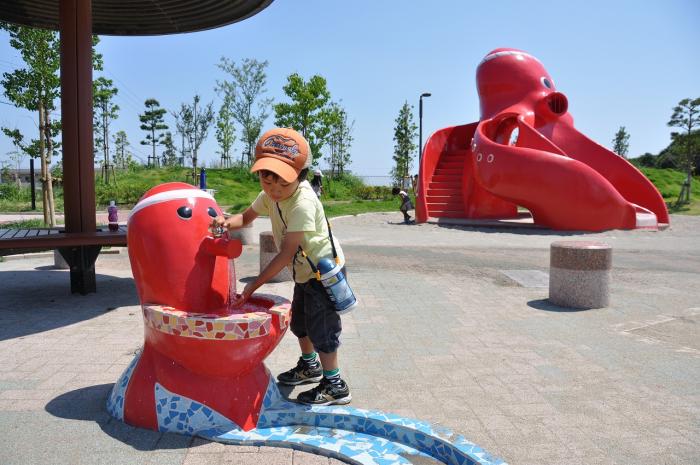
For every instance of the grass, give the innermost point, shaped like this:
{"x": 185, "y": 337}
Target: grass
{"x": 236, "y": 189}
{"x": 354, "y": 207}
{"x": 24, "y": 224}
{"x": 22, "y": 201}
{"x": 669, "y": 183}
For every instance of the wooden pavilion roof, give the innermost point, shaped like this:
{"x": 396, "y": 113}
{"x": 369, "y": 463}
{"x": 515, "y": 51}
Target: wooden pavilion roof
{"x": 137, "y": 17}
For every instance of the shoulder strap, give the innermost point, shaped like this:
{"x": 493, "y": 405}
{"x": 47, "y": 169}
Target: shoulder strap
{"x": 301, "y": 250}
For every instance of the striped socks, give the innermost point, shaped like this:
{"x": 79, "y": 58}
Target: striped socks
{"x": 333, "y": 375}
{"x": 311, "y": 359}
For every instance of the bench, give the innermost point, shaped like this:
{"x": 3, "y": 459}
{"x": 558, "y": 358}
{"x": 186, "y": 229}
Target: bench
{"x": 79, "y": 249}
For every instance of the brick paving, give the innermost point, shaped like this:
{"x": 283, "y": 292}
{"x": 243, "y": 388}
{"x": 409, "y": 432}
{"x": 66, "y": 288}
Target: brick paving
{"x": 442, "y": 334}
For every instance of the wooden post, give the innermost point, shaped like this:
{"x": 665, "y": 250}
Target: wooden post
{"x": 75, "y": 17}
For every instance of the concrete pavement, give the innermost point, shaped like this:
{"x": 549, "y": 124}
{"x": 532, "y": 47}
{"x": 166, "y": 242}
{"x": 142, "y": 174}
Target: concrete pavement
{"x": 444, "y": 333}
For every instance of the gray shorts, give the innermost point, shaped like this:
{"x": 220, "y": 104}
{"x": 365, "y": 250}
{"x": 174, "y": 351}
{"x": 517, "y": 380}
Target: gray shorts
{"x": 314, "y": 315}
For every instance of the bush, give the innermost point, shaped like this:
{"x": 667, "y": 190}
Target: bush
{"x": 10, "y": 192}
{"x": 647, "y": 160}
{"x": 349, "y": 186}
{"x": 372, "y": 193}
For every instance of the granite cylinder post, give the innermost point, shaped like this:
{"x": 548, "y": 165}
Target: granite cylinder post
{"x": 268, "y": 251}
{"x": 579, "y": 274}
{"x": 244, "y": 234}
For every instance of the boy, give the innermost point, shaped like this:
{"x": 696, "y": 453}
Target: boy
{"x": 317, "y": 183}
{"x": 282, "y": 160}
{"x": 406, "y": 203}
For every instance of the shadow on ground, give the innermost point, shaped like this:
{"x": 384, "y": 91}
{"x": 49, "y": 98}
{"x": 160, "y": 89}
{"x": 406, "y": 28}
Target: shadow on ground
{"x": 89, "y": 404}
{"x": 547, "y": 306}
{"x": 39, "y": 300}
{"x": 523, "y": 231}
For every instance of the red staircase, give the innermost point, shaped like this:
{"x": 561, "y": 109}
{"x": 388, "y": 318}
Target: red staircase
{"x": 444, "y": 197}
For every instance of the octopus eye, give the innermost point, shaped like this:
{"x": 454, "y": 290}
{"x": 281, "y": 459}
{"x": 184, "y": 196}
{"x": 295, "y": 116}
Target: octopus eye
{"x": 184, "y": 212}
{"x": 546, "y": 82}
{"x": 212, "y": 212}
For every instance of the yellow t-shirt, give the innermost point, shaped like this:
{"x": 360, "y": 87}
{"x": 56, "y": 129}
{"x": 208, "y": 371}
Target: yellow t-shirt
{"x": 301, "y": 212}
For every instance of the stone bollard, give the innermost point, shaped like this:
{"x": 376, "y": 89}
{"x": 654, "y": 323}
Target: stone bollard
{"x": 579, "y": 274}
{"x": 59, "y": 262}
{"x": 268, "y": 250}
{"x": 244, "y": 234}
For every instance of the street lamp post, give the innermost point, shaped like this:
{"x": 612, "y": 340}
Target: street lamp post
{"x": 420, "y": 124}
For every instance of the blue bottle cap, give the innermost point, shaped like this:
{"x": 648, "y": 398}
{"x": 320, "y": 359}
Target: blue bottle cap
{"x": 325, "y": 265}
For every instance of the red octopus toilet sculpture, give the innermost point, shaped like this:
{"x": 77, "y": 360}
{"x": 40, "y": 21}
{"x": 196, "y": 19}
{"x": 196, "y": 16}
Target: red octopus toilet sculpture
{"x": 195, "y": 345}
{"x": 525, "y": 152}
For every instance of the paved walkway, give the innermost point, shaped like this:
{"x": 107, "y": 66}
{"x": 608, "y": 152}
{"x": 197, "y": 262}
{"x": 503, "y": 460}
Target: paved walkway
{"x": 443, "y": 334}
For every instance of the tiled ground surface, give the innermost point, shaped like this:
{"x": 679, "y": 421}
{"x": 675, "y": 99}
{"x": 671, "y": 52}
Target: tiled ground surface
{"x": 441, "y": 334}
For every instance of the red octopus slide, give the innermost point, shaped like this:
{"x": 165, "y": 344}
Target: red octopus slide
{"x": 525, "y": 152}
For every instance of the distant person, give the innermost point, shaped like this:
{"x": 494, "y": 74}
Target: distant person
{"x": 406, "y": 203}
{"x": 303, "y": 237}
{"x": 317, "y": 183}
{"x": 415, "y": 185}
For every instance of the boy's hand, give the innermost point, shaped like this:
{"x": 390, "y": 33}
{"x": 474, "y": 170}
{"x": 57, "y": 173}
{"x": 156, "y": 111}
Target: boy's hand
{"x": 243, "y": 297}
{"x": 229, "y": 223}
{"x": 218, "y": 221}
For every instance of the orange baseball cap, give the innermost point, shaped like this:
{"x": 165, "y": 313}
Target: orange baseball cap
{"x": 283, "y": 151}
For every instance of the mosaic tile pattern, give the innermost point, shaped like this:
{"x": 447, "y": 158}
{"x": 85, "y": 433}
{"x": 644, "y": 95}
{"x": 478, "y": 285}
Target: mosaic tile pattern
{"x": 343, "y": 445}
{"x": 115, "y": 401}
{"x": 284, "y": 315}
{"x": 439, "y": 443}
{"x": 178, "y": 414}
{"x": 247, "y": 323}
{"x": 360, "y": 436}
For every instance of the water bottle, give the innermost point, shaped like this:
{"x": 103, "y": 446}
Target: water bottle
{"x": 337, "y": 287}
{"x": 203, "y": 179}
{"x": 113, "y": 216}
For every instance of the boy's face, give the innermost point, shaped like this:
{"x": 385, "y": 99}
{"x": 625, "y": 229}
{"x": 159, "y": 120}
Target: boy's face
{"x": 277, "y": 189}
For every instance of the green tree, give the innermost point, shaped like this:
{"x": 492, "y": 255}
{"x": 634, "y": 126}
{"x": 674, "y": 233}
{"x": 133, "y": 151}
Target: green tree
{"x": 122, "y": 156}
{"x": 686, "y": 115}
{"x": 621, "y": 142}
{"x": 245, "y": 93}
{"x": 647, "y": 159}
{"x": 36, "y": 88}
{"x": 340, "y": 139}
{"x": 22, "y": 150}
{"x": 5, "y": 174}
{"x": 105, "y": 110}
{"x": 193, "y": 123}
{"x": 309, "y": 111}
{"x": 169, "y": 151}
{"x": 225, "y": 132}
{"x": 404, "y": 144}
{"x": 153, "y": 122}
{"x": 183, "y": 126}
{"x": 17, "y": 156}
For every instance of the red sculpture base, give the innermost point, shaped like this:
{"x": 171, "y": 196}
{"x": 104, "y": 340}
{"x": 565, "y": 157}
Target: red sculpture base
{"x": 215, "y": 360}
{"x": 238, "y": 398}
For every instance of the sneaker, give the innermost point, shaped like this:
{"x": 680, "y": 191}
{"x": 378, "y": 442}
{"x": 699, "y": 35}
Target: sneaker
{"x": 303, "y": 373}
{"x": 326, "y": 393}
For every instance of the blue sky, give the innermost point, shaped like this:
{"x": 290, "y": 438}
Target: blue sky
{"x": 620, "y": 63}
